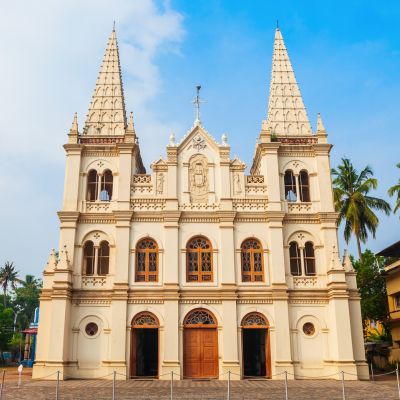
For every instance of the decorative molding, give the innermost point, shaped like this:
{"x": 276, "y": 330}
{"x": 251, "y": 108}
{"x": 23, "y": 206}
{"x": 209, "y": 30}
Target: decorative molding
{"x": 99, "y": 153}
{"x": 308, "y": 301}
{"x": 141, "y": 178}
{"x": 148, "y": 204}
{"x": 255, "y": 179}
{"x": 255, "y": 301}
{"x": 96, "y": 219}
{"x": 298, "y": 207}
{"x": 145, "y": 301}
{"x": 250, "y": 204}
{"x": 97, "y": 206}
{"x": 93, "y": 281}
{"x": 199, "y": 207}
{"x": 97, "y": 302}
{"x": 200, "y": 301}
{"x": 101, "y": 140}
{"x": 305, "y": 282}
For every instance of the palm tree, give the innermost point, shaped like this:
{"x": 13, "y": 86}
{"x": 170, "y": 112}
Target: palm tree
{"x": 395, "y": 190}
{"x": 8, "y": 277}
{"x": 355, "y": 207}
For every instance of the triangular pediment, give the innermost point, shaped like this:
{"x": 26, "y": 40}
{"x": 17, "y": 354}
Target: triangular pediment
{"x": 159, "y": 165}
{"x": 197, "y": 138}
{"x": 237, "y": 164}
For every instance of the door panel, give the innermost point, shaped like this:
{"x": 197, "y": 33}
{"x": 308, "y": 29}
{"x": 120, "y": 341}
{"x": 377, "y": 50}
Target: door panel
{"x": 200, "y": 353}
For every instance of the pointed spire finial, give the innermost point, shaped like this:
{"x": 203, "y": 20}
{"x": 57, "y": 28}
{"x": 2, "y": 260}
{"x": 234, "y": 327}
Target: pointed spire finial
{"x": 320, "y": 125}
{"x": 74, "y": 126}
{"x": 114, "y": 25}
{"x": 347, "y": 264}
{"x": 106, "y": 114}
{"x": 277, "y": 24}
{"x": 286, "y": 113}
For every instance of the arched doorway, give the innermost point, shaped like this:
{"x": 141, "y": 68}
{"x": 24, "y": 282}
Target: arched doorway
{"x": 144, "y": 345}
{"x": 200, "y": 345}
{"x": 256, "y": 346}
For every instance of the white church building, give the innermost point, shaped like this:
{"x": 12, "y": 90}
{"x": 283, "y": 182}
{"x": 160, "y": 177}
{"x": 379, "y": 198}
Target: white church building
{"x": 195, "y": 267}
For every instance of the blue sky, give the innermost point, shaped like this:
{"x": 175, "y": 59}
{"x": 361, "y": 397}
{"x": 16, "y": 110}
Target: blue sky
{"x": 346, "y": 57}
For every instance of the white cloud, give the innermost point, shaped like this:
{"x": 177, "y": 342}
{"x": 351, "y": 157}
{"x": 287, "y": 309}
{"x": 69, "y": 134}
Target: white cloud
{"x": 51, "y": 53}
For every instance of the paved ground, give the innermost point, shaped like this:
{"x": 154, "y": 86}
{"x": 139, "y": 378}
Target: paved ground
{"x": 199, "y": 390}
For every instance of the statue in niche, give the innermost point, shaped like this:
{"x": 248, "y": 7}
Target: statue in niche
{"x": 160, "y": 183}
{"x": 237, "y": 187}
{"x": 198, "y": 179}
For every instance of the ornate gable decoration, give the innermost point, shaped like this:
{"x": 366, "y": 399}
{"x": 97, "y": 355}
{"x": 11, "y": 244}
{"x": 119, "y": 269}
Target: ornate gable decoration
{"x": 198, "y": 179}
{"x": 199, "y": 143}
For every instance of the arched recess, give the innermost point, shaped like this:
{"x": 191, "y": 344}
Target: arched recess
{"x": 200, "y": 344}
{"x": 256, "y": 348}
{"x": 144, "y": 360}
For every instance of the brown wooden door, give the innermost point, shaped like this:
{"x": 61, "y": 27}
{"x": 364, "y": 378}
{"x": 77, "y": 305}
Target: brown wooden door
{"x": 200, "y": 353}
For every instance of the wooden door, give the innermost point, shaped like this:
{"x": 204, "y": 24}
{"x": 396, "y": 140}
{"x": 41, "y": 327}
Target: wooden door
{"x": 200, "y": 353}
{"x": 133, "y": 354}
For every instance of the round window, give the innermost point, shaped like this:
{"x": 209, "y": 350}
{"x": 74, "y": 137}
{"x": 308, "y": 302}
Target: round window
{"x": 309, "y": 329}
{"x": 91, "y": 329}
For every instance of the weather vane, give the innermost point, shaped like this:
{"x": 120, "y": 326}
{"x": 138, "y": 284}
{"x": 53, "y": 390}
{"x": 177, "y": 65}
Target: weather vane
{"x": 197, "y": 103}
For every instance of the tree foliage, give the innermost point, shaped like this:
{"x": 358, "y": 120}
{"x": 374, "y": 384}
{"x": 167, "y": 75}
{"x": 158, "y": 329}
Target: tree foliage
{"x": 395, "y": 191}
{"x": 26, "y": 299}
{"x": 355, "y": 206}
{"x": 8, "y": 277}
{"x": 372, "y": 287}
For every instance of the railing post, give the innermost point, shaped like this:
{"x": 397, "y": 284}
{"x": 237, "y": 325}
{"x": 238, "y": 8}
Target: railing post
{"x": 113, "y": 386}
{"x": 58, "y": 384}
{"x": 372, "y": 371}
{"x": 172, "y": 384}
{"x": 397, "y": 378}
{"x": 2, "y": 384}
{"x": 286, "y": 387}
{"x": 343, "y": 392}
{"x": 229, "y": 385}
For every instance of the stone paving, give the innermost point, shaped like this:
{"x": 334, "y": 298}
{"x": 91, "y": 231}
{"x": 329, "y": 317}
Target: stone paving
{"x": 200, "y": 390}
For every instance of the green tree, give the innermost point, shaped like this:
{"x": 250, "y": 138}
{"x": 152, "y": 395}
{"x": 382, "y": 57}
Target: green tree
{"x": 355, "y": 207}
{"x": 6, "y": 327}
{"x": 372, "y": 287}
{"x": 395, "y": 190}
{"x": 8, "y": 277}
{"x": 26, "y": 299}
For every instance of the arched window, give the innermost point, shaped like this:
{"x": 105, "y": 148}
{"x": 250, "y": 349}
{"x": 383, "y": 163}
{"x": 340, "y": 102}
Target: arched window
{"x": 252, "y": 261}
{"x": 106, "y": 186}
{"x": 88, "y": 258}
{"x": 290, "y": 186}
{"x": 304, "y": 186}
{"x": 92, "y": 185}
{"x": 295, "y": 259}
{"x": 200, "y": 318}
{"x": 199, "y": 267}
{"x": 104, "y": 258}
{"x": 309, "y": 259}
{"x": 146, "y": 261}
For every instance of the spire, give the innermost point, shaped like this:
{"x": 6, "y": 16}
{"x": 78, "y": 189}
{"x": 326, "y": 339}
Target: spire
{"x": 286, "y": 112}
{"x": 74, "y": 126}
{"x": 106, "y": 115}
{"x": 52, "y": 262}
{"x": 347, "y": 264}
{"x": 320, "y": 125}
{"x": 73, "y": 132}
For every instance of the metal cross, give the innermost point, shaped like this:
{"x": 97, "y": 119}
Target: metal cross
{"x": 197, "y": 103}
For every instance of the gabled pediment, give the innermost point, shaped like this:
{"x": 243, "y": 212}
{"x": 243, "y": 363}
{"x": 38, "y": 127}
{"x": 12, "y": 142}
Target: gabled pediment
{"x": 159, "y": 165}
{"x": 237, "y": 164}
{"x": 197, "y": 138}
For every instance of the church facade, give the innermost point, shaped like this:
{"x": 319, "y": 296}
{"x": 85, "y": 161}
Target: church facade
{"x": 196, "y": 267}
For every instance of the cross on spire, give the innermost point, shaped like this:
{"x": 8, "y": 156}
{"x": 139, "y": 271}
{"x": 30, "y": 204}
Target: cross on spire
{"x": 197, "y": 101}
